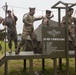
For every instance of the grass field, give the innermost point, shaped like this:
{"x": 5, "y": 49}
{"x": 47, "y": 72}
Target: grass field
{"x": 16, "y": 66}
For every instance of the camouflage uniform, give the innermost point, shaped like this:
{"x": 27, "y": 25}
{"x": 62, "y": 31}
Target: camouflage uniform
{"x": 28, "y": 30}
{"x": 11, "y": 31}
{"x": 46, "y": 19}
{"x": 71, "y": 30}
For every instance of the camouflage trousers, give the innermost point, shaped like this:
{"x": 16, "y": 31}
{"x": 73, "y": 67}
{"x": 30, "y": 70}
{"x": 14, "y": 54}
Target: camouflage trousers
{"x": 10, "y": 37}
{"x": 24, "y": 38}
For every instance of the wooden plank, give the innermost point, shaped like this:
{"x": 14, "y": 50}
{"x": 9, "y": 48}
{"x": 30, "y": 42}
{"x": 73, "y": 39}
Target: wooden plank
{"x": 31, "y": 53}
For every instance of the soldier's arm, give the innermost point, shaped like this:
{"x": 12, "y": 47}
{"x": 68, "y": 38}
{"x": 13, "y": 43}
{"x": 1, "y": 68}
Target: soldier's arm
{"x": 63, "y": 20}
{"x": 39, "y": 18}
{"x": 15, "y": 17}
{"x": 25, "y": 20}
{"x": 4, "y": 22}
{"x": 51, "y": 16}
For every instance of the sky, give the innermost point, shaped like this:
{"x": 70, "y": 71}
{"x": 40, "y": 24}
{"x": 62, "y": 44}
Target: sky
{"x": 21, "y": 7}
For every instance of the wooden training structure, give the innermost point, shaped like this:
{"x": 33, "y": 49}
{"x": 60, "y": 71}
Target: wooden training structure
{"x": 46, "y": 42}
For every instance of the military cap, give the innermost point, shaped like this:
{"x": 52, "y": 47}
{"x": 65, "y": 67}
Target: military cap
{"x": 8, "y": 11}
{"x": 69, "y": 9}
{"x": 32, "y": 8}
{"x": 48, "y": 11}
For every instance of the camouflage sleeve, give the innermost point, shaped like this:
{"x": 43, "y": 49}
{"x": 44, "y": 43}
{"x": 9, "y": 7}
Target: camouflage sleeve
{"x": 15, "y": 17}
{"x": 25, "y": 19}
{"x": 4, "y": 22}
{"x": 74, "y": 19}
{"x": 37, "y": 18}
{"x": 63, "y": 20}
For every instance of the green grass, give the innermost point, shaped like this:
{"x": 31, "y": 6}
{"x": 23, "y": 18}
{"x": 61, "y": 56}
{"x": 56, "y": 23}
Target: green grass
{"x": 16, "y": 66}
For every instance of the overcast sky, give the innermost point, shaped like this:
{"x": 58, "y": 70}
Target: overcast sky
{"x": 21, "y": 7}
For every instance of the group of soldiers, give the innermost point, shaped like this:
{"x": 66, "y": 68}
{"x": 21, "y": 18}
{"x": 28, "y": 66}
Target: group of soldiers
{"x": 28, "y": 29}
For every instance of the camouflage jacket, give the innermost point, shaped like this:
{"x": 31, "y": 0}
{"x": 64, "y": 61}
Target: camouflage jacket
{"x": 10, "y": 24}
{"x": 70, "y": 20}
{"x": 46, "y": 21}
{"x": 27, "y": 20}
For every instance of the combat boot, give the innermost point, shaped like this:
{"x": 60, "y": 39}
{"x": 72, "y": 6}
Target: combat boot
{"x": 10, "y": 50}
{"x": 38, "y": 51}
{"x": 17, "y": 51}
{"x": 35, "y": 50}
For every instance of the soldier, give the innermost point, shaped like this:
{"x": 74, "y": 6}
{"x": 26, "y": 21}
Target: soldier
{"x": 46, "y": 19}
{"x": 71, "y": 30}
{"x": 9, "y": 21}
{"x": 28, "y": 29}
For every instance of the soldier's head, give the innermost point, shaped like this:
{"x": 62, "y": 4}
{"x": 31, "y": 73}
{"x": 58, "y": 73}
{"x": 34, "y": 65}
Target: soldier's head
{"x": 48, "y": 13}
{"x": 32, "y": 11}
{"x": 9, "y": 12}
{"x": 70, "y": 11}
{"x": 1, "y": 19}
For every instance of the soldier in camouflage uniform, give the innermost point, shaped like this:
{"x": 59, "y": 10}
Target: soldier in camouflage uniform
{"x": 71, "y": 29}
{"x": 11, "y": 30}
{"x": 46, "y": 19}
{"x": 28, "y": 29}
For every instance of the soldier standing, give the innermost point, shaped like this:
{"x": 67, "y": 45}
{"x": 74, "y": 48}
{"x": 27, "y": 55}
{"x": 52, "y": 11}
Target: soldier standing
{"x": 71, "y": 30}
{"x": 11, "y": 30}
{"x": 46, "y": 19}
{"x": 28, "y": 29}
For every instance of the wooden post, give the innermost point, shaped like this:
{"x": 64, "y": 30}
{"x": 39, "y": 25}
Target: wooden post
{"x": 6, "y": 68}
{"x": 43, "y": 65}
{"x": 25, "y": 64}
{"x": 60, "y": 64}
{"x": 55, "y": 66}
{"x": 31, "y": 66}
